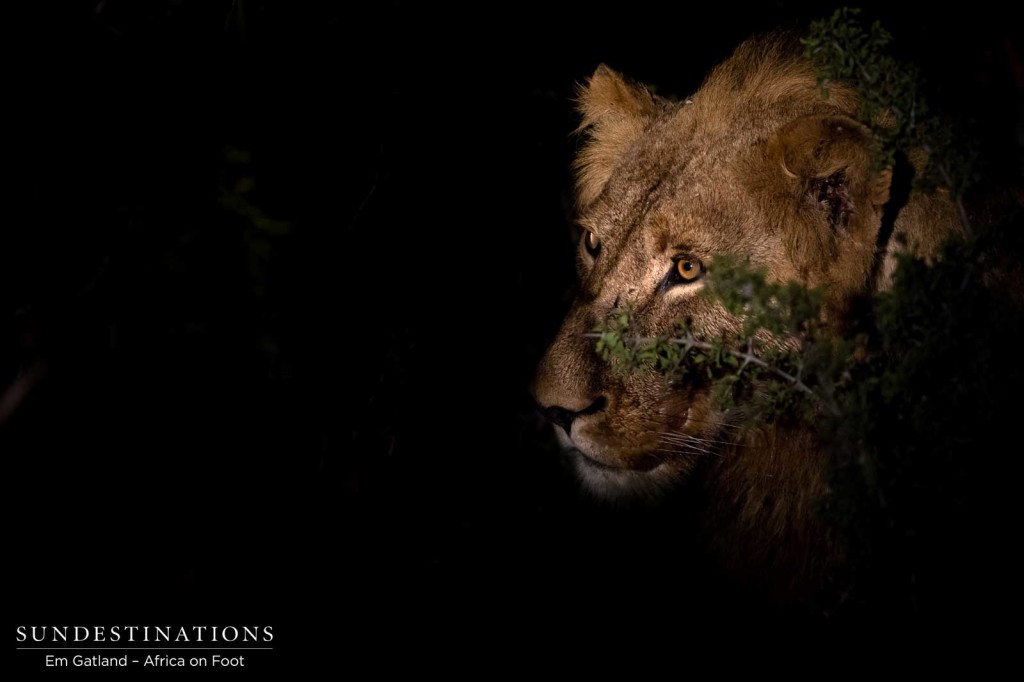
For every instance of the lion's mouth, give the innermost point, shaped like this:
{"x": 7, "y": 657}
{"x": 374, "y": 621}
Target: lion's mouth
{"x": 646, "y": 481}
{"x": 626, "y": 476}
{"x": 644, "y": 465}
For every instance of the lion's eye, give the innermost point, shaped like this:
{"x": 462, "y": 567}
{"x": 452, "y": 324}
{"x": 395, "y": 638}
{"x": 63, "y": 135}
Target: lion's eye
{"x": 687, "y": 270}
{"x": 592, "y": 243}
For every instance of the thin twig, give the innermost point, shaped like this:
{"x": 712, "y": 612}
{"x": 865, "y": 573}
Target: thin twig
{"x": 378, "y": 173}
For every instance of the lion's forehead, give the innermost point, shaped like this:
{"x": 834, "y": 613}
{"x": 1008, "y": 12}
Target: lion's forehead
{"x": 661, "y": 207}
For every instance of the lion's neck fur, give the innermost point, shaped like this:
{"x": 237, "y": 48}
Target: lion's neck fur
{"x": 764, "y": 496}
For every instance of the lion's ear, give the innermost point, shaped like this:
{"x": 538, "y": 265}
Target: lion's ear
{"x": 829, "y": 161}
{"x": 614, "y": 113}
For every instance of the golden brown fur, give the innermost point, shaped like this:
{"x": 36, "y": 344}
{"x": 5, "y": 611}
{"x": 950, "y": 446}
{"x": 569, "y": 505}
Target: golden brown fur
{"x": 756, "y": 164}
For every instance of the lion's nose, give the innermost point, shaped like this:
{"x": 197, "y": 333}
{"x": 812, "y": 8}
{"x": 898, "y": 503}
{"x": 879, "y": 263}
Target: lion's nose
{"x": 560, "y": 416}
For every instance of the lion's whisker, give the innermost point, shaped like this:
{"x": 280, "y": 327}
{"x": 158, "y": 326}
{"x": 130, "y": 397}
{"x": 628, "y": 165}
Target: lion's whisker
{"x": 727, "y": 426}
{"x": 676, "y": 451}
{"x": 691, "y": 437}
{"x": 712, "y": 441}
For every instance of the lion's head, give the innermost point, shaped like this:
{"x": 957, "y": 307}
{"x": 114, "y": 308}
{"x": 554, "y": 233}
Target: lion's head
{"x": 756, "y": 164}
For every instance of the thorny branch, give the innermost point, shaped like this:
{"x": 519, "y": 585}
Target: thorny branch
{"x": 689, "y": 342}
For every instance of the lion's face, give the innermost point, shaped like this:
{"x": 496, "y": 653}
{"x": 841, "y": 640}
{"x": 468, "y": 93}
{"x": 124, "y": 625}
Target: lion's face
{"x": 755, "y": 165}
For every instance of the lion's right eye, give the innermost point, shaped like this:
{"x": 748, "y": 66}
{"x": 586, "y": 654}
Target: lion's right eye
{"x": 685, "y": 271}
{"x": 591, "y": 243}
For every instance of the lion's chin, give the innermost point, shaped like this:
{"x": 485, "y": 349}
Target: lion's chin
{"x": 621, "y": 484}
{"x": 624, "y": 485}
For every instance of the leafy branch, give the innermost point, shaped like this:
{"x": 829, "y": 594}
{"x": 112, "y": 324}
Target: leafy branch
{"x": 717, "y": 354}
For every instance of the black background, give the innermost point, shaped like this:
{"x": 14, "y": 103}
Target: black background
{"x": 340, "y": 443}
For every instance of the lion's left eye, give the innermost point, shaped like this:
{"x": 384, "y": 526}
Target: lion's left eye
{"x": 686, "y": 270}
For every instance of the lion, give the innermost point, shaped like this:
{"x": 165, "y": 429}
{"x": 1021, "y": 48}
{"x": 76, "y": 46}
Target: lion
{"x": 760, "y": 165}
